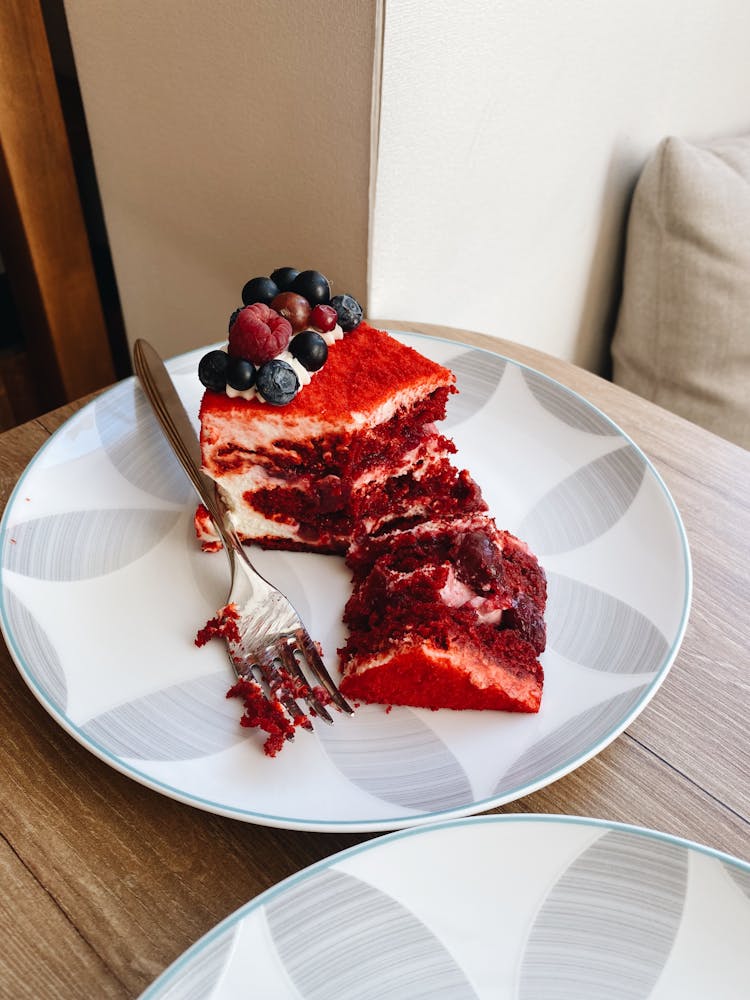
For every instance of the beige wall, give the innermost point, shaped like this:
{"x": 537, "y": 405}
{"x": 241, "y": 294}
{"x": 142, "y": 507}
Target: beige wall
{"x": 229, "y": 137}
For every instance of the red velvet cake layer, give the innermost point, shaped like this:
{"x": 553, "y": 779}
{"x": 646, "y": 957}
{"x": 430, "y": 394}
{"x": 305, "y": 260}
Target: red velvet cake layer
{"x": 445, "y": 614}
{"x": 434, "y": 673}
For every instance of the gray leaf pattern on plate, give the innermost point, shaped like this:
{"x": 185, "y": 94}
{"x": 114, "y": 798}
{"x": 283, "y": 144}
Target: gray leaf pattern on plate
{"x": 478, "y": 374}
{"x": 136, "y": 446}
{"x": 201, "y": 972}
{"x": 181, "y": 722}
{"x": 563, "y": 745}
{"x": 339, "y": 937}
{"x": 739, "y": 876}
{"x": 80, "y": 544}
{"x": 407, "y": 763}
{"x": 566, "y": 406}
{"x": 607, "y": 926}
{"x": 40, "y": 658}
{"x": 599, "y": 631}
{"x": 585, "y": 504}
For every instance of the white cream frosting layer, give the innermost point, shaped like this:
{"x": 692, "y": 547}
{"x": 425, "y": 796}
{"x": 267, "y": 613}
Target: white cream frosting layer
{"x": 456, "y": 594}
{"x": 252, "y": 524}
{"x": 257, "y": 477}
{"x": 274, "y": 423}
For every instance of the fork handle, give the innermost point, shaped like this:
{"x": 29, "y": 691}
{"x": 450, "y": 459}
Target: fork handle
{"x": 180, "y": 433}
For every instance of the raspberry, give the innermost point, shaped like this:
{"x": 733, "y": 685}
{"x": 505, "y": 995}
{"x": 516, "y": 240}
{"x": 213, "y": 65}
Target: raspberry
{"x": 259, "y": 334}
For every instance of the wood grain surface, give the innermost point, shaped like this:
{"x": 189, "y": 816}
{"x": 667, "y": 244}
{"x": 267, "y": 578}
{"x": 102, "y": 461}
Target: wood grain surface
{"x": 105, "y": 882}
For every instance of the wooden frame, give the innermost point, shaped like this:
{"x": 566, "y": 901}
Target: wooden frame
{"x": 43, "y": 238}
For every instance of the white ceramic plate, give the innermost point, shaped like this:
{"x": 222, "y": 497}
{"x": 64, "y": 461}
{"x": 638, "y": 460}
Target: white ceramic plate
{"x": 521, "y": 907}
{"x": 104, "y": 587}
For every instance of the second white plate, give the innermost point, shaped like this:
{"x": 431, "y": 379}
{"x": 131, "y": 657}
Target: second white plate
{"x": 494, "y": 907}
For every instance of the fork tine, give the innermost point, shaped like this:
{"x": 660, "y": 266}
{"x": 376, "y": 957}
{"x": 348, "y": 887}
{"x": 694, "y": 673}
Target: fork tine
{"x": 266, "y": 664}
{"x": 289, "y": 660}
{"x": 253, "y": 673}
{"x": 319, "y": 669}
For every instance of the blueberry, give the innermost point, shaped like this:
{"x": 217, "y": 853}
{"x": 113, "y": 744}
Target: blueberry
{"x": 241, "y": 374}
{"x": 260, "y": 290}
{"x": 212, "y": 370}
{"x": 284, "y": 278}
{"x": 313, "y": 286}
{"x": 348, "y": 310}
{"x": 310, "y": 349}
{"x": 277, "y": 382}
{"x": 234, "y": 316}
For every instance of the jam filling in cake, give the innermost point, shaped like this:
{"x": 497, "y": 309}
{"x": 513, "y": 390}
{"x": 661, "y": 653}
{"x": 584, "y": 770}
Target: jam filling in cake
{"x": 321, "y": 434}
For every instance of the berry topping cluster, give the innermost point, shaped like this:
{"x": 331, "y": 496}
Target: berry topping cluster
{"x": 279, "y": 336}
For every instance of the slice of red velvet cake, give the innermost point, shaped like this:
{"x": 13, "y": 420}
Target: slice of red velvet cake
{"x": 446, "y": 611}
{"x": 356, "y": 448}
{"x": 445, "y": 614}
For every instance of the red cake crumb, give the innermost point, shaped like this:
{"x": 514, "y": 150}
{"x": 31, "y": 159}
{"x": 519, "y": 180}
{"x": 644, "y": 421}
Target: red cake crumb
{"x": 297, "y": 688}
{"x": 222, "y": 626}
{"x": 260, "y": 713}
{"x": 205, "y": 531}
{"x": 270, "y": 714}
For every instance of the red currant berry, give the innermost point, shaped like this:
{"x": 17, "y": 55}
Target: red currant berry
{"x": 324, "y": 318}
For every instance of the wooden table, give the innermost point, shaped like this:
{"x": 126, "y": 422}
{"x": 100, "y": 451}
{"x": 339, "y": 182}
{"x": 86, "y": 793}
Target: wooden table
{"x": 105, "y": 882}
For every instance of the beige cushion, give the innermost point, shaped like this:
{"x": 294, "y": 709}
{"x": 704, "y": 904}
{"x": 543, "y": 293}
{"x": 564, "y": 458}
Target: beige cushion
{"x": 683, "y": 332}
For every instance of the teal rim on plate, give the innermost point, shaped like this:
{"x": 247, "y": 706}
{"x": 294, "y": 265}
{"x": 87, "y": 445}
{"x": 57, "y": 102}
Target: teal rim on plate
{"x": 103, "y": 589}
{"x": 529, "y": 906}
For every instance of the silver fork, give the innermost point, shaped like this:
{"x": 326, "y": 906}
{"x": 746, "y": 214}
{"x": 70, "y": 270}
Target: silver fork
{"x": 272, "y": 644}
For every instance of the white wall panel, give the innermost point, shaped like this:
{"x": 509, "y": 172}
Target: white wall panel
{"x": 510, "y": 135}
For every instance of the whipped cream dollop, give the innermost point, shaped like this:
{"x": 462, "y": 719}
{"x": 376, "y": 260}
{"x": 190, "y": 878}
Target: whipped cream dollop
{"x": 303, "y": 375}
